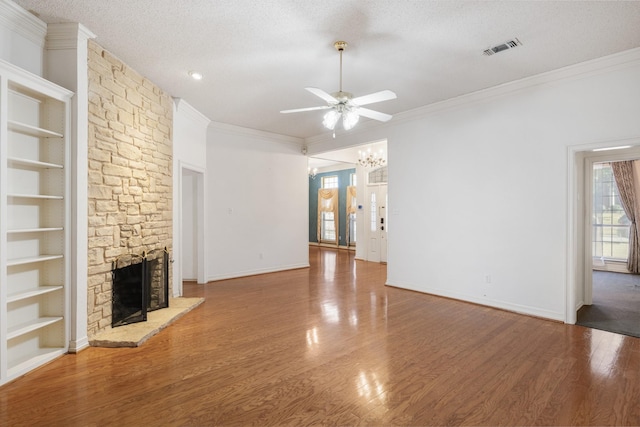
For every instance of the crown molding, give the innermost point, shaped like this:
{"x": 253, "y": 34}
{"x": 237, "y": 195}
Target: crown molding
{"x": 574, "y": 72}
{"x": 187, "y": 109}
{"x": 22, "y": 22}
{"x": 67, "y": 35}
{"x": 605, "y": 64}
{"x": 239, "y": 130}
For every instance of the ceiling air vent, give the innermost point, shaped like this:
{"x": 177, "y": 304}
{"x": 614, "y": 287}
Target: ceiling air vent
{"x": 504, "y": 46}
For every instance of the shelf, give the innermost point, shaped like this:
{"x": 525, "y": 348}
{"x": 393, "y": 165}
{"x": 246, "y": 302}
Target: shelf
{"x": 31, "y": 326}
{"x": 34, "y": 230}
{"x": 33, "y": 360}
{"x": 29, "y": 293}
{"x": 33, "y": 163}
{"x": 36, "y": 221}
{"x": 29, "y": 260}
{"x": 32, "y": 130}
{"x": 35, "y": 196}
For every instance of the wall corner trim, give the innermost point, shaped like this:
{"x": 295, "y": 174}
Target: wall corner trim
{"x": 67, "y": 35}
{"x": 189, "y": 111}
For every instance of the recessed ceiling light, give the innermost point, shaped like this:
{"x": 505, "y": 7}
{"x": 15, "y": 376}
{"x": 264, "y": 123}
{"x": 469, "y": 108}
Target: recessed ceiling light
{"x": 612, "y": 148}
{"x": 195, "y": 75}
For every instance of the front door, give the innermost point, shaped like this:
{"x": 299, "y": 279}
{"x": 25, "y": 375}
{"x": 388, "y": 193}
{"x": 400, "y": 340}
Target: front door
{"x": 376, "y": 223}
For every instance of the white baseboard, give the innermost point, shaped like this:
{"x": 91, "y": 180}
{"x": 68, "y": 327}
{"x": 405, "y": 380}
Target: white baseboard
{"x": 612, "y": 266}
{"x": 328, "y": 245}
{"x": 489, "y": 302}
{"x": 255, "y": 272}
{"x": 75, "y": 346}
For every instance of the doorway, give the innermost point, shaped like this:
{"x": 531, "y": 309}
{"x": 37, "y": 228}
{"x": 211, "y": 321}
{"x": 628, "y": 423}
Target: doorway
{"x": 601, "y": 272}
{"x": 189, "y": 263}
{"x": 325, "y": 162}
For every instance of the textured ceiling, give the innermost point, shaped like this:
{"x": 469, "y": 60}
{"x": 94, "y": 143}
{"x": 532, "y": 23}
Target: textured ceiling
{"x": 257, "y": 56}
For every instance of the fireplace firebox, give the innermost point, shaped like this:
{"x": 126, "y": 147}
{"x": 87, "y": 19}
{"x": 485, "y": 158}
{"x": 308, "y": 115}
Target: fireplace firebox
{"x": 140, "y": 284}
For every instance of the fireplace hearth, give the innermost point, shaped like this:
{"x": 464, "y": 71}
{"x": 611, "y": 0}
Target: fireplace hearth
{"x": 140, "y": 284}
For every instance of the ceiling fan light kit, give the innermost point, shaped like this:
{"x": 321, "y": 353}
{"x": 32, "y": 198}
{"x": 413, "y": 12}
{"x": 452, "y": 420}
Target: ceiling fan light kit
{"x": 343, "y": 104}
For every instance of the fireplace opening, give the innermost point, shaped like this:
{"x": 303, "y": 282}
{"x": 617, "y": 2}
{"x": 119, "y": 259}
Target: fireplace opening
{"x": 140, "y": 284}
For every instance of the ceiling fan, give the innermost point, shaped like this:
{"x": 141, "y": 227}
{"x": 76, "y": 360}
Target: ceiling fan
{"x": 343, "y": 104}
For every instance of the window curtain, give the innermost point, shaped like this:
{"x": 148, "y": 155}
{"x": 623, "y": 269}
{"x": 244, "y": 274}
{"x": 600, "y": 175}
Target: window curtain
{"x": 327, "y": 202}
{"x": 623, "y": 173}
{"x": 351, "y": 209}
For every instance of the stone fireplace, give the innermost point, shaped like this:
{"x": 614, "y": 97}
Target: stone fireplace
{"x": 140, "y": 284}
{"x": 130, "y": 174}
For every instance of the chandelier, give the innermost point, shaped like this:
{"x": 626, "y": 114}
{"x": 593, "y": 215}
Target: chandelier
{"x": 370, "y": 159}
{"x": 312, "y": 172}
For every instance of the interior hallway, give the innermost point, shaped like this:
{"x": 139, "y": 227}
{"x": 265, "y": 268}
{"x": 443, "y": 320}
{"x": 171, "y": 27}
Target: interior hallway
{"x": 332, "y": 345}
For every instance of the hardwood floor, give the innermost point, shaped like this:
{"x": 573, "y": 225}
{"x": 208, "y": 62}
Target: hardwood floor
{"x": 331, "y": 345}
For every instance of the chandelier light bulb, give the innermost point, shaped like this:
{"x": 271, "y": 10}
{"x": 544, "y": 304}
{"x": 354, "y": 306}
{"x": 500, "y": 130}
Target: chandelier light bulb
{"x": 370, "y": 160}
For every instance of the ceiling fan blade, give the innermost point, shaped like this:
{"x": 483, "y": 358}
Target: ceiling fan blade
{"x": 299, "y": 110}
{"x": 375, "y": 115}
{"x": 383, "y": 95}
{"x": 322, "y": 94}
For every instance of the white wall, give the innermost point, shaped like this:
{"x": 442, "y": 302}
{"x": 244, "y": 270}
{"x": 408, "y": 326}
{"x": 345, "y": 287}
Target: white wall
{"x": 479, "y": 185}
{"x": 189, "y": 134}
{"x": 257, "y": 188}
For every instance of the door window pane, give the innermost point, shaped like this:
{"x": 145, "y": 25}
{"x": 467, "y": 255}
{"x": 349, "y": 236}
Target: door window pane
{"x": 374, "y": 212}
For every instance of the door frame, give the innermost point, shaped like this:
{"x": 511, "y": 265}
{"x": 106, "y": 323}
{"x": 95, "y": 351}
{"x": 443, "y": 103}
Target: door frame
{"x": 579, "y": 285}
{"x": 367, "y": 220}
{"x": 200, "y": 245}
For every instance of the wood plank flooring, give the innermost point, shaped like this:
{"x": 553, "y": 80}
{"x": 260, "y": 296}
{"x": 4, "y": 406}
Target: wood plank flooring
{"x": 331, "y": 345}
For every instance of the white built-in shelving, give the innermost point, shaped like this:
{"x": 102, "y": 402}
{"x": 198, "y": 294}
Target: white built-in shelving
{"x": 34, "y": 221}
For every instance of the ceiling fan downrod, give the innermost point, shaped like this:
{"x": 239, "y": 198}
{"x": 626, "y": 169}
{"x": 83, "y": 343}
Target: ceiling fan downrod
{"x": 340, "y": 47}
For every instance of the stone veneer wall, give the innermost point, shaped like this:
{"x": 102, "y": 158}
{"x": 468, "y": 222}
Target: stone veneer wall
{"x": 130, "y": 173}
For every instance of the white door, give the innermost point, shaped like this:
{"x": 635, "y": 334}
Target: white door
{"x": 376, "y": 223}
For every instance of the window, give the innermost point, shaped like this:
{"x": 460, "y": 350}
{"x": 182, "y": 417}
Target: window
{"x": 610, "y": 223}
{"x": 353, "y": 179}
{"x": 330, "y": 181}
{"x": 327, "y": 220}
{"x": 378, "y": 176}
{"x": 328, "y": 227}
